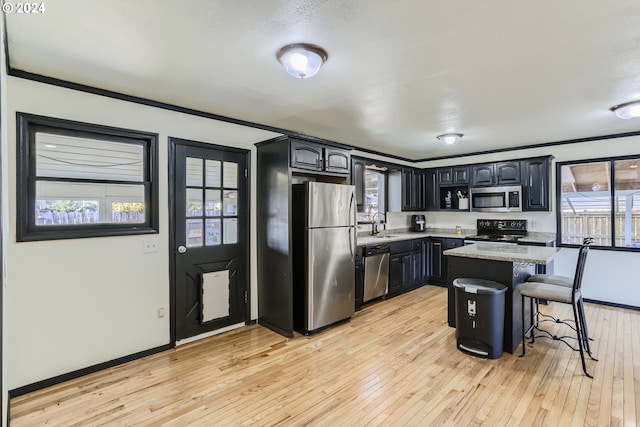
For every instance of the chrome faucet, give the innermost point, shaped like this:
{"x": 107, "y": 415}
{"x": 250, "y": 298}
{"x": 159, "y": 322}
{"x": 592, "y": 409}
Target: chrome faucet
{"x": 375, "y": 225}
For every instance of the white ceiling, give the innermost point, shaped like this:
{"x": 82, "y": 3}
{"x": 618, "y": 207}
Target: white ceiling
{"x": 399, "y": 73}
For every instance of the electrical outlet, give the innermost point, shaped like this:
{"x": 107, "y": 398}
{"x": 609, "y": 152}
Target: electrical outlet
{"x": 160, "y": 312}
{"x": 150, "y": 246}
{"x": 533, "y": 224}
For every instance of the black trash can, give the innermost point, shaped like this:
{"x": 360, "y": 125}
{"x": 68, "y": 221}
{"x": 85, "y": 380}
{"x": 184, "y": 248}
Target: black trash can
{"x": 479, "y": 316}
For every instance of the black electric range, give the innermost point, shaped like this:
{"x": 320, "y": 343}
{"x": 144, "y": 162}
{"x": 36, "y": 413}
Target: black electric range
{"x": 499, "y": 230}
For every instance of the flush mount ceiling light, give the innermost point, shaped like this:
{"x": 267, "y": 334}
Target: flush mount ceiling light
{"x": 629, "y": 110}
{"x": 302, "y": 60}
{"x": 450, "y": 138}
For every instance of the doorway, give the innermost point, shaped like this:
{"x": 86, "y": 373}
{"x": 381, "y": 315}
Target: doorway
{"x": 209, "y": 243}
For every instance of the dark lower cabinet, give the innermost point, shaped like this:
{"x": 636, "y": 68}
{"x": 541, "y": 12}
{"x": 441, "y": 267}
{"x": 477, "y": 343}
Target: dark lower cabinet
{"x": 359, "y": 285}
{"x": 408, "y": 265}
{"x": 439, "y": 261}
{"x": 397, "y": 269}
{"x": 437, "y": 270}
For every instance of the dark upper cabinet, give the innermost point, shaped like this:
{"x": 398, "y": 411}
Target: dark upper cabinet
{"x": 357, "y": 179}
{"x": 460, "y": 175}
{"x": 456, "y": 175}
{"x": 501, "y": 173}
{"x": 316, "y": 157}
{"x": 432, "y": 196}
{"x": 445, "y": 176}
{"x": 336, "y": 160}
{"x": 413, "y": 190}
{"x": 535, "y": 184}
{"x": 508, "y": 173}
{"x": 483, "y": 174}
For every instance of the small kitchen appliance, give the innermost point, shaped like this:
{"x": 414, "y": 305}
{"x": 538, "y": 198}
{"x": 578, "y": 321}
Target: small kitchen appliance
{"x": 418, "y": 223}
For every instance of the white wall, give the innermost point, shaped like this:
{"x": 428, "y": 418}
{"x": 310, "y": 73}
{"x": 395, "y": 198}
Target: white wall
{"x": 75, "y": 303}
{"x": 609, "y": 275}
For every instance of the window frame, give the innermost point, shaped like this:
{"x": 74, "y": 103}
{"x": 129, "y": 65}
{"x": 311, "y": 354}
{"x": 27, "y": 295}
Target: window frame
{"x": 28, "y": 125}
{"x": 612, "y": 190}
{"x": 382, "y": 216}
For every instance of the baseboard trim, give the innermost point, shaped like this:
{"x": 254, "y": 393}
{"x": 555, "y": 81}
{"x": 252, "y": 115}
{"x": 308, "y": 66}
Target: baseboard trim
{"x": 84, "y": 371}
{"x": 612, "y": 304}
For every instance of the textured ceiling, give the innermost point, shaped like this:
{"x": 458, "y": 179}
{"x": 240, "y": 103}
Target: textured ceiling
{"x": 503, "y": 73}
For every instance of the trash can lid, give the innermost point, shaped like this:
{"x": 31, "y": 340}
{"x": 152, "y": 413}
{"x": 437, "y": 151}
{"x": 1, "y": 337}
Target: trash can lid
{"x": 479, "y": 286}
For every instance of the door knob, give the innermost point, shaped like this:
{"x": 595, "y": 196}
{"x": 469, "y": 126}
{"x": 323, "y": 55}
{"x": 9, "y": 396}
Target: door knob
{"x": 182, "y": 249}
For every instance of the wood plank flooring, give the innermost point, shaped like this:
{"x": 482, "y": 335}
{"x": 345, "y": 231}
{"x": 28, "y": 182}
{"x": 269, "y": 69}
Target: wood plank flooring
{"x": 394, "y": 364}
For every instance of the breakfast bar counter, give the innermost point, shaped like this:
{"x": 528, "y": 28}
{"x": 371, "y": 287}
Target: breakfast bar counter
{"x": 510, "y": 265}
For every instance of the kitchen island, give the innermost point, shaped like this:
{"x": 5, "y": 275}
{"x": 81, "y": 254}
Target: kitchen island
{"x": 510, "y": 265}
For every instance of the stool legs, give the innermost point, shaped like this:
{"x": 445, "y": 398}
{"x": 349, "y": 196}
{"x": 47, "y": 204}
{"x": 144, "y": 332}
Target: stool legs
{"x": 582, "y": 334}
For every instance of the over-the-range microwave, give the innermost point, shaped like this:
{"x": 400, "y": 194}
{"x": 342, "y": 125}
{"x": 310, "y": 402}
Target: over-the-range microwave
{"x": 496, "y": 199}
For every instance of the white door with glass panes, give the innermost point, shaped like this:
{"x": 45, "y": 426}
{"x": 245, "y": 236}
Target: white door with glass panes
{"x": 209, "y": 227}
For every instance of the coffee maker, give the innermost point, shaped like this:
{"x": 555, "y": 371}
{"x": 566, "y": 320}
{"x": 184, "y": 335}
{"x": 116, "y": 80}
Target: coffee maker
{"x": 418, "y": 222}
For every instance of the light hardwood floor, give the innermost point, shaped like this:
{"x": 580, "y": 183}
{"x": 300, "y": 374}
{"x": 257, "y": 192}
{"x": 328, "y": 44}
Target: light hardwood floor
{"x": 395, "y": 363}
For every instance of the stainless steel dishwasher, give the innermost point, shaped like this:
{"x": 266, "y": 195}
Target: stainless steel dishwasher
{"x": 376, "y": 271}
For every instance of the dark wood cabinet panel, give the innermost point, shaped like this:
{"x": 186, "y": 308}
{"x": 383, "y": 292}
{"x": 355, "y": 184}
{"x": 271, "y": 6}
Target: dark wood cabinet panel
{"x": 432, "y": 195}
{"x": 316, "y": 157}
{"x": 460, "y": 175}
{"x": 413, "y": 190}
{"x": 336, "y": 160}
{"x": 437, "y": 271}
{"x": 483, "y": 174}
{"x": 445, "y": 176}
{"x": 359, "y": 285}
{"x": 306, "y": 155}
{"x": 395, "y": 274}
{"x": 357, "y": 179}
{"x": 438, "y": 260}
{"x": 535, "y": 184}
{"x": 508, "y": 173}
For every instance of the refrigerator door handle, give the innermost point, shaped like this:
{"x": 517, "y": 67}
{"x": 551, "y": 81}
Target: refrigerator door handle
{"x": 351, "y": 242}
{"x": 353, "y": 216}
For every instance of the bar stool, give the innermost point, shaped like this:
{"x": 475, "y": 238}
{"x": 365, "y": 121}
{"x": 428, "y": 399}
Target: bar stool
{"x": 557, "y": 290}
{"x": 566, "y": 282}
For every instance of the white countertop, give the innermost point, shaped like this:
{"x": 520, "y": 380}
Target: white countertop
{"x": 513, "y": 253}
{"x": 391, "y": 236}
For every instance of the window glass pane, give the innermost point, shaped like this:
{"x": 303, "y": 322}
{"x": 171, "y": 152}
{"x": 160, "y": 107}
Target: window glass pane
{"x": 69, "y": 203}
{"x": 586, "y": 203}
{"x": 213, "y": 232}
{"x": 230, "y": 234}
{"x": 194, "y": 233}
{"x": 230, "y": 203}
{"x": 374, "y": 196}
{"x": 194, "y": 172}
{"x": 627, "y": 203}
{"x": 213, "y": 203}
{"x": 127, "y": 212}
{"x": 213, "y": 172}
{"x": 61, "y": 156}
{"x": 230, "y": 175}
{"x": 194, "y": 202}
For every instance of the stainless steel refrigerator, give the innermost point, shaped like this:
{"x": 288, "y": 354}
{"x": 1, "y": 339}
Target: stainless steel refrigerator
{"x": 324, "y": 247}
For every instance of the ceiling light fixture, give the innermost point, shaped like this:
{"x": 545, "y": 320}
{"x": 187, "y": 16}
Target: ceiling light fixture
{"x": 450, "y": 138}
{"x": 302, "y": 60}
{"x": 629, "y": 110}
